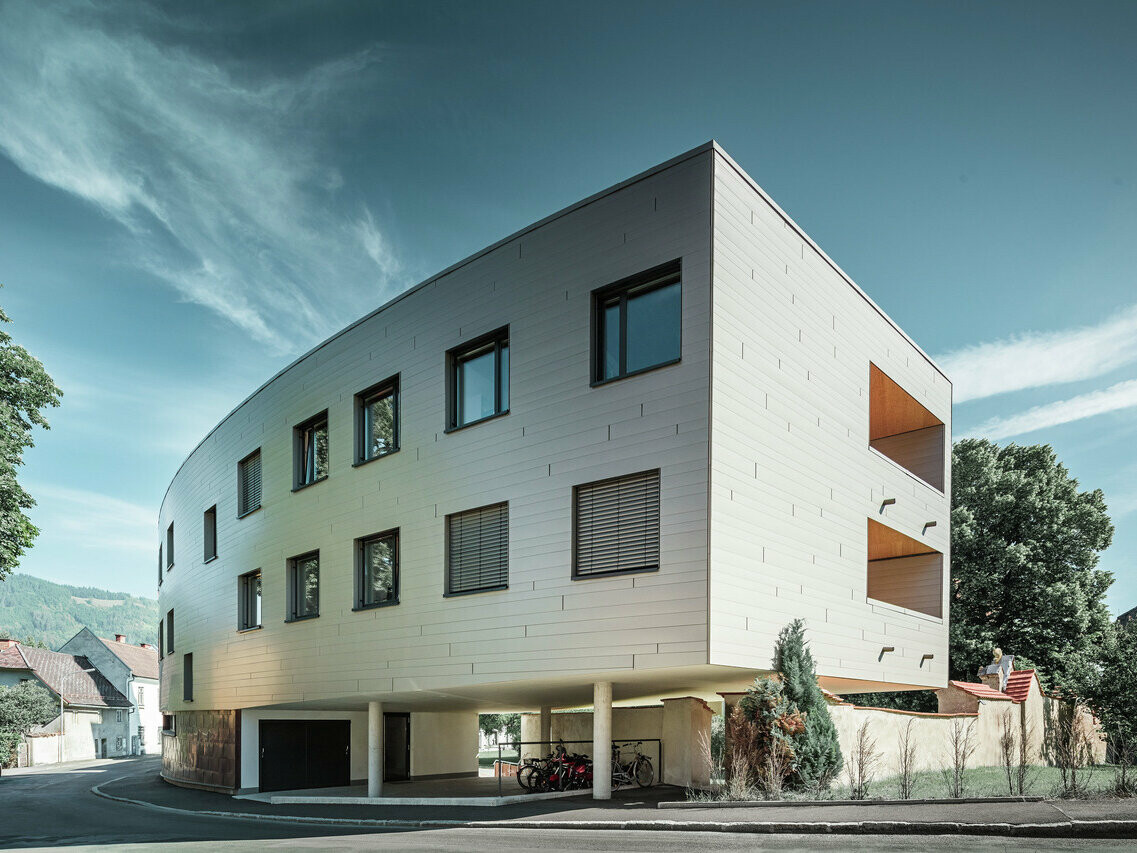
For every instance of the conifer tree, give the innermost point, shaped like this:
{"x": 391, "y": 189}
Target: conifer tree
{"x": 817, "y": 750}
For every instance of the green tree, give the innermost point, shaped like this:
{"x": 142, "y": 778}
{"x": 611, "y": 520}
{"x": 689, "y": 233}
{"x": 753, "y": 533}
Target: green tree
{"x": 23, "y": 706}
{"x": 816, "y": 749}
{"x": 1113, "y": 695}
{"x": 1025, "y": 546}
{"x": 493, "y": 723}
{"x": 25, "y": 390}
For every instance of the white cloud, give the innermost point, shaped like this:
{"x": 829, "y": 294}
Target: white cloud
{"x": 1038, "y": 359}
{"x": 89, "y": 520}
{"x": 216, "y": 173}
{"x": 1123, "y": 395}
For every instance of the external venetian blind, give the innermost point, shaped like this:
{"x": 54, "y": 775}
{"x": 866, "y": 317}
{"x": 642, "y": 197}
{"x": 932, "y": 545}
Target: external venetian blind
{"x": 249, "y": 483}
{"x": 616, "y": 525}
{"x": 477, "y": 549}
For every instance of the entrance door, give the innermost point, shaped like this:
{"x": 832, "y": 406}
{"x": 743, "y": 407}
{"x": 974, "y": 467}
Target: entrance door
{"x": 297, "y": 754}
{"x": 396, "y": 747}
{"x": 103, "y": 745}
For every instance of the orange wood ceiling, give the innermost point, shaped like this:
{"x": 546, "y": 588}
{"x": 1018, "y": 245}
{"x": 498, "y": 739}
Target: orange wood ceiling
{"x": 892, "y": 410}
{"x": 886, "y": 543}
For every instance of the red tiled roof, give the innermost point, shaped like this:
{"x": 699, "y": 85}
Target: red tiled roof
{"x": 1018, "y": 684}
{"x": 142, "y": 662}
{"x": 980, "y": 691}
{"x": 71, "y": 676}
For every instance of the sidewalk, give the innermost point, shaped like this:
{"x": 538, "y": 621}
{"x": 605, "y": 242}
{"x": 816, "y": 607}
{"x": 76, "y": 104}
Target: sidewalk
{"x": 640, "y": 810}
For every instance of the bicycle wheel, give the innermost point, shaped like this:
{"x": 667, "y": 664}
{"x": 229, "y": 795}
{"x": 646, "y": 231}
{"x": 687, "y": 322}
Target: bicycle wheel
{"x": 528, "y": 776}
{"x": 645, "y": 773}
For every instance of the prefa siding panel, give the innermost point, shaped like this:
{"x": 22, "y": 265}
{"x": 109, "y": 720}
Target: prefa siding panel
{"x": 560, "y": 432}
{"x": 792, "y": 479}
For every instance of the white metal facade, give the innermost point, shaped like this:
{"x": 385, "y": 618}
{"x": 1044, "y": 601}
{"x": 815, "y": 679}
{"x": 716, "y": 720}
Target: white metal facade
{"x": 760, "y": 433}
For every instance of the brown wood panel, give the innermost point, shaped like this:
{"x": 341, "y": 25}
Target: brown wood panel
{"x": 886, "y": 543}
{"x": 892, "y": 410}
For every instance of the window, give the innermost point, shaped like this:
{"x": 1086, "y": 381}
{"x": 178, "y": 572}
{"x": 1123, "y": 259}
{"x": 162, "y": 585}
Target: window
{"x": 904, "y": 431}
{"x": 118, "y": 742}
{"x": 249, "y": 601}
{"x": 118, "y": 716}
{"x": 310, "y": 451}
{"x": 616, "y": 525}
{"x": 477, "y": 550}
{"x": 168, "y": 724}
{"x": 159, "y": 565}
{"x": 169, "y": 632}
{"x": 478, "y": 379}
{"x": 304, "y": 587}
{"x": 377, "y": 570}
{"x": 187, "y": 678}
{"x": 210, "y": 533}
{"x": 170, "y": 546}
{"x": 141, "y": 697}
{"x": 904, "y": 572}
{"x": 377, "y": 421}
{"x": 636, "y": 324}
{"x": 249, "y": 483}
{"x": 161, "y": 640}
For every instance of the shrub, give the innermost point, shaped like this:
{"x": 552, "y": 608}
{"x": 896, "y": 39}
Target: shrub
{"x": 817, "y": 750}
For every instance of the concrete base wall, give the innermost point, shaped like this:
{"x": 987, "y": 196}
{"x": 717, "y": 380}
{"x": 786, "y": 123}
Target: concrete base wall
{"x": 204, "y": 752}
{"x": 442, "y": 744}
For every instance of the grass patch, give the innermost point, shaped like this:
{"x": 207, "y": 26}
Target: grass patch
{"x": 487, "y": 757}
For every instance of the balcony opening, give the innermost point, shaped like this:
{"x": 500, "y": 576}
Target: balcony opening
{"x": 904, "y": 572}
{"x": 904, "y": 431}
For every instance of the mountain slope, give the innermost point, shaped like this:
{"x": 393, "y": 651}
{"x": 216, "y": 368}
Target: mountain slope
{"x": 54, "y": 613}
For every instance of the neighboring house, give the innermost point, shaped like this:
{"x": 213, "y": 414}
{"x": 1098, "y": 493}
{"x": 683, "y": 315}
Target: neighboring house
{"x": 605, "y": 459}
{"x": 133, "y": 670}
{"x": 95, "y": 718}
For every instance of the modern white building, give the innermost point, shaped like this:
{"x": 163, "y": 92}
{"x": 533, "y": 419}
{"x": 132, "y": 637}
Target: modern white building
{"x": 133, "y": 670}
{"x": 603, "y": 460}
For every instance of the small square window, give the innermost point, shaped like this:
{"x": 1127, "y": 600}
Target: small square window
{"x": 637, "y": 324}
{"x": 170, "y": 546}
{"x": 377, "y": 570}
{"x": 377, "y": 421}
{"x": 478, "y": 380}
{"x": 209, "y": 533}
{"x": 310, "y": 451}
{"x": 304, "y": 587}
{"x": 249, "y": 483}
{"x": 616, "y": 525}
{"x": 249, "y": 601}
{"x": 169, "y": 724}
{"x": 477, "y": 550}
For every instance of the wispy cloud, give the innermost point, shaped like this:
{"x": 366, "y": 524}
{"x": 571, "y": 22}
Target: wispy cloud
{"x": 1123, "y": 395}
{"x": 1038, "y": 359}
{"x": 92, "y": 520}
{"x": 215, "y": 173}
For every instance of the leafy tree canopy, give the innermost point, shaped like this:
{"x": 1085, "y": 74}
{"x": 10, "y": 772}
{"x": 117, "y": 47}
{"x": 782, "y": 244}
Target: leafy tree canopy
{"x": 1113, "y": 696}
{"x": 25, "y": 390}
{"x": 492, "y": 723}
{"x": 21, "y": 707}
{"x": 1025, "y": 545}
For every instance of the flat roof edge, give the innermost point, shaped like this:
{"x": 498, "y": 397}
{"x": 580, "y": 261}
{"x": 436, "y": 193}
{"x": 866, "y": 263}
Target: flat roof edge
{"x": 718, "y": 149}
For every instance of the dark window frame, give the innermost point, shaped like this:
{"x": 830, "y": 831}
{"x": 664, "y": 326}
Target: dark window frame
{"x": 663, "y": 275}
{"x": 293, "y": 576}
{"x": 298, "y": 434}
{"x": 388, "y": 387}
{"x": 170, "y": 648}
{"x": 161, "y": 638}
{"x": 459, "y": 355}
{"x": 447, "y": 591}
{"x": 208, "y": 535}
{"x": 637, "y": 570}
{"x": 170, "y": 547}
{"x": 243, "y": 601}
{"x": 187, "y": 677}
{"x": 169, "y": 724}
{"x": 242, "y": 474}
{"x": 360, "y": 550}
{"x": 161, "y": 567}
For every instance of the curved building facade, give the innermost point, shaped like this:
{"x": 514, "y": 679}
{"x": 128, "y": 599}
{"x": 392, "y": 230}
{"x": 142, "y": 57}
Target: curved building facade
{"x": 611, "y": 455}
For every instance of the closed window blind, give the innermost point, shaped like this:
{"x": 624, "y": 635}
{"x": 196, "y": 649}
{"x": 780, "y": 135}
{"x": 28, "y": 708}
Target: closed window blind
{"x": 477, "y": 549}
{"x": 249, "y": 483}
{"x": 617, "y": 525}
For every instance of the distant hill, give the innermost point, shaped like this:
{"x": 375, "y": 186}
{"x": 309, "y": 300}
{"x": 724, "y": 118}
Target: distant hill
{"x": 54, "y": 612}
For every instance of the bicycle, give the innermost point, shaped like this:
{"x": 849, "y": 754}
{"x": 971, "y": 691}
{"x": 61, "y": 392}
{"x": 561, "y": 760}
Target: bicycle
{"x": 638, "y": 769}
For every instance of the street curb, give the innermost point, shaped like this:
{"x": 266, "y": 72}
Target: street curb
{"x": 758, "y": 804}
{"x": 1060, "y": 829}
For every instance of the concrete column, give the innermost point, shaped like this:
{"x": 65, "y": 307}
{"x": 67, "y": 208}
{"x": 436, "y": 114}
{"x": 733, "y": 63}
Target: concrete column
{"x": 374, "y": 749}
{"x": 686, "y": 743}
{"x": 602, "y": 740}
{"x": 546, "y": 729}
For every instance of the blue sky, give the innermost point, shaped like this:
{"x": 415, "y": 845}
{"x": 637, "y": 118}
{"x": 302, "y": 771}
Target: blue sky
{"x": 193, "y": 194}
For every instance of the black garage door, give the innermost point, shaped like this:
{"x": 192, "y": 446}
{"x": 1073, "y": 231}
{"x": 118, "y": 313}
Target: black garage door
{"x": 305, "y": 754}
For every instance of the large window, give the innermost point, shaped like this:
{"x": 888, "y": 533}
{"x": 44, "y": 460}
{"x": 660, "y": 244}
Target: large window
{"x": 169, "y": 632}
{"x": 304, "y": 587}
{"x": 616, "y": 525}
{"x": 249, "y": 483}
{"x": 377, "y": 421}
{"x": 187, "y": 677}
{"x": 249, "y": 601}
{"x": 377, "y": 570}
{"x": 636, "y": 323}
{"x": 903, "y": 571}
{"x": 170, "y": 546}
{"x": 479, "y": 379}
{"x": 901, "y": 428}
{"x": 477, "y": 550}
{"x": 310, "y": 451}
{"x": 209, "y": 533}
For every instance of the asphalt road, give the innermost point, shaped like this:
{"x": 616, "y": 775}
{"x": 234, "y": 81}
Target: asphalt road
{"x": 52, "y": 810}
